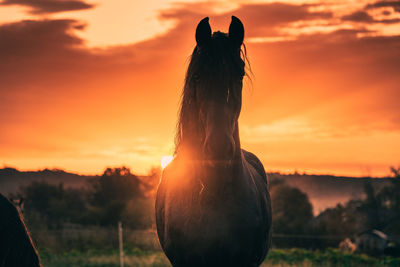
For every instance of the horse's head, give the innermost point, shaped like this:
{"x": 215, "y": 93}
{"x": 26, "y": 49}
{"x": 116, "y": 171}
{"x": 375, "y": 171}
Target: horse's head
{"x": 213, "y": 89}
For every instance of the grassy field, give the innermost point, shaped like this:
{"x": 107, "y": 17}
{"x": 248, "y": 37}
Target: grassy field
{"x": 97, "y": 247}
{"x": 276, "y": 257}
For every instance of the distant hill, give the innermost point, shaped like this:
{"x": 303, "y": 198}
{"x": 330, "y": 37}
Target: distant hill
{"x": 326, "y": 190}
{"x": 323, "y": 190}
{"x": 12, "y": 179}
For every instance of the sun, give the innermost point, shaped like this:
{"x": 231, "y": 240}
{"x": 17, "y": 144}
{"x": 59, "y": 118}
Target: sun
{"x": 166, "y": 160}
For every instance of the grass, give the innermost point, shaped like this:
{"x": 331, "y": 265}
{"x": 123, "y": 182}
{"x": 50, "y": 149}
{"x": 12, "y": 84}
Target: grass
{"x": 136, "y": 258}
{"x": 329, "y": 257}
{"x": 276, "y": 258}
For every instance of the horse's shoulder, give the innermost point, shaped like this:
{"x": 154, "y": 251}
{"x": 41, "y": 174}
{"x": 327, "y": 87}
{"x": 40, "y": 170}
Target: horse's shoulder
{"x": 174, "y": 177}
{"x": 167, "y": 175}
{"x": 171, "y": 172}
{"x": 254, "y": 161}
{"x": 161, "y": 200}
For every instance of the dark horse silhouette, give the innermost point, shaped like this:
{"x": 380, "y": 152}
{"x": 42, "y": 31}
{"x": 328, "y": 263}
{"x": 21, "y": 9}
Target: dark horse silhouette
{"x": 16, "y": 246}
{"x": 213, "y": 206}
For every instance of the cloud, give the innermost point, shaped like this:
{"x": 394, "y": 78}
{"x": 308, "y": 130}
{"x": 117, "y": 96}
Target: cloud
{"x": 37, "y": 54}
{"x": 38, "y": 36}
{"x": 265, "y": 19}
{"x": 49, "y": 6}
{"x": 394, "y": 4}
{"x": 360, "y": 16}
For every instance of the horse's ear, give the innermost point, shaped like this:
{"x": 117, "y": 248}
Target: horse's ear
{"x": 236, "y": 32}
{"x": 203, "y": 32}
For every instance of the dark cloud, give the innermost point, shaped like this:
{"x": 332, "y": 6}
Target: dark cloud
{"x": 394, "y": 4}
{"x": 362, "y": 16}
{"x": 30, "y": 37}
{"x": 264, "y": 18}
{"x": 54, "y": 44}
{"x": 358, "y": 16}
{"x": 279, "y": 13}
{"x": 40, "y": 50}
{"x": 49, "y": 6}
{"x": 271, "y": 16}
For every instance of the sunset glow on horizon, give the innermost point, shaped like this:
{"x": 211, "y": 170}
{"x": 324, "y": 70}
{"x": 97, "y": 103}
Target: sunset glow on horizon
{"x": 88, "y": 85}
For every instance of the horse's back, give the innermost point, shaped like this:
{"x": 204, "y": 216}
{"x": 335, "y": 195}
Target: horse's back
{"x": 255, "y": 162}
{"x": 261, "y": 184}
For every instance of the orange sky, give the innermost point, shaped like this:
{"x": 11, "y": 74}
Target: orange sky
{"x": 85, "y": 85}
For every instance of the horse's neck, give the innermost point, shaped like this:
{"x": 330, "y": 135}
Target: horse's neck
{"x": 192, "y": 147}
{"x": 215, "y": 176}
{"x": 236, "y": 137}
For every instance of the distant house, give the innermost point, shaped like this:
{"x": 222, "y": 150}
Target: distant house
{"x": 371, "y": 242}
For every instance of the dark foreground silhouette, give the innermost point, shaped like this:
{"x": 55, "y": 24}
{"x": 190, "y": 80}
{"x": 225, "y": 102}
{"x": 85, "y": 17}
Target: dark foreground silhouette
{"x": 16, "y": 246}
{"x": 213, "y": 206}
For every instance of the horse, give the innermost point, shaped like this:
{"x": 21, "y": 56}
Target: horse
{"x": 212, "y": 205}
{"x": 16, "y": 246}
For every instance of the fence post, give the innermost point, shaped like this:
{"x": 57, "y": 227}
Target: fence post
{"x": 121, "y": 245}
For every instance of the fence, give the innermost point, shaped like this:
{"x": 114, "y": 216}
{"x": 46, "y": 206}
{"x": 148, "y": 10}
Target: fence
{"x": 75, "y": 237}
{"x": 92, "y": 237}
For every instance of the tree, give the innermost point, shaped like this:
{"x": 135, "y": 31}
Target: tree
{"x": 291, "y": 215}
{"x": 381, "y": 209}
{"x": 389, "y": 198}
{"x": 291, "y": 210}
{"x": 371, "y": 208}
{"x": 119, "y": 195}
{"x": 115, "y": 185}
{"x": 53, "y": 204}
{"x": 334, "y": 224}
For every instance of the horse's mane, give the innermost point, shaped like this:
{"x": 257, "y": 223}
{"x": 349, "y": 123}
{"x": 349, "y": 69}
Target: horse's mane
{"x": 210, "y": 68}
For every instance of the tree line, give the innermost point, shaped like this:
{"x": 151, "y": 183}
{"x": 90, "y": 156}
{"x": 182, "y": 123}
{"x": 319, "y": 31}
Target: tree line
{"x": 120, "y": 195}
{"x": 116, "y": 195}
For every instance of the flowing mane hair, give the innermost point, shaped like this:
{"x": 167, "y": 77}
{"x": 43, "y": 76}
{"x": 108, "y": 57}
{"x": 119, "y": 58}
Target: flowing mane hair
{"x": 212, "y": 68}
